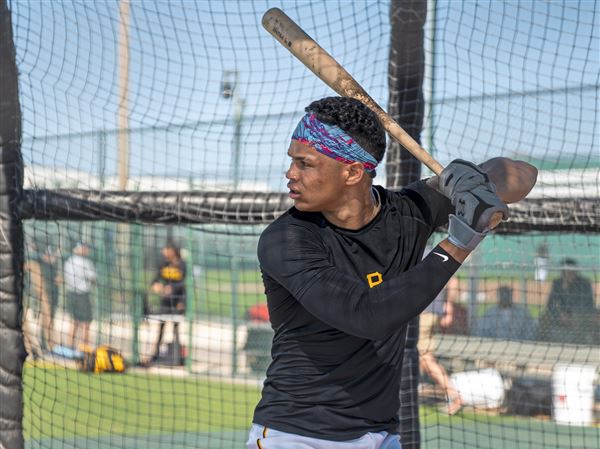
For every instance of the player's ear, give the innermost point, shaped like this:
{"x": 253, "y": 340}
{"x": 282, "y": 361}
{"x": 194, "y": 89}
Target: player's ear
{"x": 354, "y": 173}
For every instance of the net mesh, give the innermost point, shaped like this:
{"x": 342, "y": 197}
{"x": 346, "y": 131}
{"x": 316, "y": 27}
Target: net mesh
{"x": 203, "y": 119}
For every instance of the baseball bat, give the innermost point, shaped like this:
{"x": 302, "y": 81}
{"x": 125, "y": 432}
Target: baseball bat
{"x": 322, "y": 64}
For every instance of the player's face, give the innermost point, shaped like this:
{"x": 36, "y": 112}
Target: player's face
{"x": 168, "y": 253}
{"x": 316, "y": 182}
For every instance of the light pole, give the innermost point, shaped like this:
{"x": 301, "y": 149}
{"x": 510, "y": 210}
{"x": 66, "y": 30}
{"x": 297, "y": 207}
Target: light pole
{"x": 228, "y": 90}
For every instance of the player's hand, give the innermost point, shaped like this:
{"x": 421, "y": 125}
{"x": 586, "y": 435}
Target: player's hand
{"x": 472, "y": 194}
{"x": 461, "y": 176}
{"x": 157, "y": 288}
{"x": 475, "y": 201}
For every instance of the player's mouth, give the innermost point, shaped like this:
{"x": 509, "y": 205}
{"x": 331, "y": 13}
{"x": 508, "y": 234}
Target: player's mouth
{"x": 294, "y": 194}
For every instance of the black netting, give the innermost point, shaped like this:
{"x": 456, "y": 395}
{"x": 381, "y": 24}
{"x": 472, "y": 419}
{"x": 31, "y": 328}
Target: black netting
{"x": 148, "y": 124}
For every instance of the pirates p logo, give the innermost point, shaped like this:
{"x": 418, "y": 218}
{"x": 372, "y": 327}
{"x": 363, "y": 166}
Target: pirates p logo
{"x": 374, "y": 279}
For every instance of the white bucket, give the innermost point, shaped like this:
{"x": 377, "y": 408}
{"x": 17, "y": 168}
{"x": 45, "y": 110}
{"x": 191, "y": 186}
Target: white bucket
{"x": 573, "y": 394}
{"x": 481, "y": 388}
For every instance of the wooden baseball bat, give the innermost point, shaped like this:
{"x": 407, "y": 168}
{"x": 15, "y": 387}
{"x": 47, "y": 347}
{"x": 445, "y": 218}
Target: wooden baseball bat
{"x": 322, "y": 64}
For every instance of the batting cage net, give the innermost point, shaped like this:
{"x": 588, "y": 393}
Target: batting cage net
{"x": 141, "y": 132}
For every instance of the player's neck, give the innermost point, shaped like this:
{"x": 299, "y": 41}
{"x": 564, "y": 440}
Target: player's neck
{"x": 357, "y": 209}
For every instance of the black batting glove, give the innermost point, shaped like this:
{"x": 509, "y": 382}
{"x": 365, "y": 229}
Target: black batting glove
{"x": 475, "y": 201}
{"x": 461, "y": 176}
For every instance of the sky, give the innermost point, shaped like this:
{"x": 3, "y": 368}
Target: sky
{"x": 518, "y": 79}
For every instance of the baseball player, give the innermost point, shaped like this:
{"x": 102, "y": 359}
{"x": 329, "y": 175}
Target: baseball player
{"x": 343, "y": 274}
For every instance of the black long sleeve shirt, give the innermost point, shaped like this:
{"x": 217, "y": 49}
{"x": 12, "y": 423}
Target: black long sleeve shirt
{"x": 339, "y": 301}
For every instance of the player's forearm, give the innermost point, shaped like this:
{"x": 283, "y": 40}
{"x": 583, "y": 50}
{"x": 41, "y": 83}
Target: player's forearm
{"x": 377, "y": 312}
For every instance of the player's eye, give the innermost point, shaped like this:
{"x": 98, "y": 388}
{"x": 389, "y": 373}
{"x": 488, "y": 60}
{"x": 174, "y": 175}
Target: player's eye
{"x": 300, "y": 163}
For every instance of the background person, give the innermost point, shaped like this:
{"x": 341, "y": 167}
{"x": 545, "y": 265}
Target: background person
{"x": 540, "y": 262}
{"x": 439, "y": 313}
{"x": 36, "y": 306}
{"x": 571, "y": 293}
{"x": 169, "y": 284}
{"x": 507, "y": 320}
{"x": 570, "y": 316}
{"x": 79, "y": 275}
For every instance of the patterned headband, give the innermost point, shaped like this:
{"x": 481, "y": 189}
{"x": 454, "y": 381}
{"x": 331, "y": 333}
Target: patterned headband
{"x": 332, "y": 141}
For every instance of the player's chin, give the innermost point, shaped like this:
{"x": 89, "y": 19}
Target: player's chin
{"x": 299, "y": 205}
{"x": 305, "y": 206}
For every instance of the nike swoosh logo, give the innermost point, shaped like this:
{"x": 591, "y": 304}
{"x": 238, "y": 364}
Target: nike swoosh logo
{"x": 444, "y": 258}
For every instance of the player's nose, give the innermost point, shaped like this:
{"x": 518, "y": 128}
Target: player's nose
{"x": 291, "y": 173}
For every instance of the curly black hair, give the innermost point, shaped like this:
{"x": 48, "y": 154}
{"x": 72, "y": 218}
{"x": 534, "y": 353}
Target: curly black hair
{"x": 355, "y": 118}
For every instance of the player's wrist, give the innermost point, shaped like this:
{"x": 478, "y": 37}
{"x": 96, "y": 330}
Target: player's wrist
{"x": 457, "y": 253}
{"x": 463, "y": 236}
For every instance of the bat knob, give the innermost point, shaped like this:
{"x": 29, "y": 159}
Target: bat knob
{"x": 495, "y": 220}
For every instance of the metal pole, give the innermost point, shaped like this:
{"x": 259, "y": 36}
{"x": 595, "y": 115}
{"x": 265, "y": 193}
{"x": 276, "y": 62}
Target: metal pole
{"x": 102, "y": 306}
{"x": 137, "y": 289}
{"x": 124, "y": 258}
{"x": 101, "y": 159}
{"x": 235, "y": 265}
{"x": 103, "y": 299}
{"x": 123, "y": 119}
{"x": 238, "y": 118}
{"x": 430, "y": 80}
{"x": 229, "y": 90}
{"x": 190, "y": 309}
{"x": 473, "y": 289}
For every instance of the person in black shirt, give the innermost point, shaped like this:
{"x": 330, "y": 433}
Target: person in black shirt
{"x": 343, "y": 274}
{"x": 571, "y": 316}
{"x": 169, "y": 284}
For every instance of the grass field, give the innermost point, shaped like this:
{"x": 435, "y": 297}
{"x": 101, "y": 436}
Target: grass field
{"x": 64, "y": 403}
{"x": 66, "y": 408}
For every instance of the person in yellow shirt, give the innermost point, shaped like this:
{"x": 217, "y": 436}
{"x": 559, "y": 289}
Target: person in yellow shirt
{"x": 169, "y": 284}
